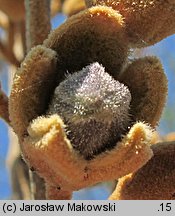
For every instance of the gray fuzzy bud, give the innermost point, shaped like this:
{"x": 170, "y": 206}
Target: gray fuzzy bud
{"x": 95, "y": 108}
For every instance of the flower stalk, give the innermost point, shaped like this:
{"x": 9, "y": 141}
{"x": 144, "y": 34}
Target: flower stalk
{"x": 37, "y": 28}
{"x": 37, "y": 21}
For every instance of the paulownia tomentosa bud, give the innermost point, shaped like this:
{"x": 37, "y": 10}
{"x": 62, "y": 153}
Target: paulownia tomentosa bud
{"x": 94, "y": 107}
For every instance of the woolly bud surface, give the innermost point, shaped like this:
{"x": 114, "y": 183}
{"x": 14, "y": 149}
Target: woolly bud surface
{"x": 94, "y": 107}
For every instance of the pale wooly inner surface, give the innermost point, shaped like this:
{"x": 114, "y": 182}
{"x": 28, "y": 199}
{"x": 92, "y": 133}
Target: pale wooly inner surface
{"x": 94, "y": 107}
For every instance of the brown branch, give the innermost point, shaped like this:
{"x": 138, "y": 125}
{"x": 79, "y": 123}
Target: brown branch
{"x": 4, "y": 112}
{"x": 37, "y": 28}
{"x": 8, "y": 55}
{"x": 11, "y": 34}
{"x": 13, "y": 9}
{"x": 37, "y": 21}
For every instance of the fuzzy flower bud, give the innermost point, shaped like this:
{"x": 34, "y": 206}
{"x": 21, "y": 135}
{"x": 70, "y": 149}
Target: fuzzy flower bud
{"x": 95, "y": 108}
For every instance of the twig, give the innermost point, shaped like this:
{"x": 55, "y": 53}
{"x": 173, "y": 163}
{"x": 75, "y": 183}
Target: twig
{"x": 11, "y": 33}
{"x": 37, "y": 21}
{"x": 8, "y": 55}
{"x": 37, "y": 28}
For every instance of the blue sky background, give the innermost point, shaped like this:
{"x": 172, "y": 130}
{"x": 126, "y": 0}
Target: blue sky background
{"x": 165, "y": 50}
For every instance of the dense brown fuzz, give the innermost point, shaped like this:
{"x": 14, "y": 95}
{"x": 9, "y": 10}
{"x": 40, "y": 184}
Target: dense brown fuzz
{"x": 4, "y": 112}
{"x": 87, "y": 36}
{"x": 33, "y": 84}
{"x": 93, "y": 35}
{"x": 147, "y": 22}
{"x": 51, "y": 153}
{"x": 147, "y": 83}
{"x": 129, "y": 154}
{"x": 47, "y": 139}
{"x": 154, "y": 181}
{"x": 71, "y": 7}
{"x": 31, "y": 96}
{"x": 99, "y": 34}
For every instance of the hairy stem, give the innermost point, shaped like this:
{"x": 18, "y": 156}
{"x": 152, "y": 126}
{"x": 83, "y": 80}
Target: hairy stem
{"x": 37, "y": 21}
{"x": 37, "y": 28}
